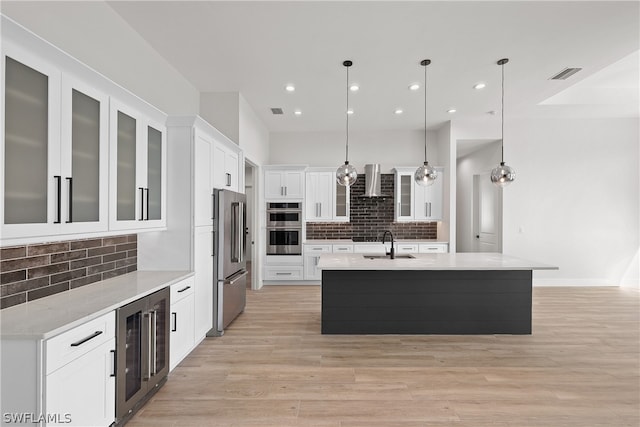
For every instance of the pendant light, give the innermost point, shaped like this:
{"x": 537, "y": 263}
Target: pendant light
{"x": 502, "y": 175}
{"x": 425, "y": 175}
{"x": 346, "y": 174}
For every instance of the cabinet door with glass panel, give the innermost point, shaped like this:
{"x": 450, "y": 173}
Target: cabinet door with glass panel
{"x": 138, "y": 170}
{"x": 404, "y": 194}
{"x": 55, "y": 152}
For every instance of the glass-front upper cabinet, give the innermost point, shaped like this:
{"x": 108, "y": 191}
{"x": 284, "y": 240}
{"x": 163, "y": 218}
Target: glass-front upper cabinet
{"x": 54, "y": 151}
{"x": 138, "y": 165}
{"x": 342, "y": 204}
{"x": 404, "y": 194}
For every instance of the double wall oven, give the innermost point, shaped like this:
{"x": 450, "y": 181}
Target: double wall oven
{"x": 284, "y": 228}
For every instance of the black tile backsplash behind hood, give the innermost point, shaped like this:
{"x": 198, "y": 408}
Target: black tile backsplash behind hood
{"x": 370, "y": 217}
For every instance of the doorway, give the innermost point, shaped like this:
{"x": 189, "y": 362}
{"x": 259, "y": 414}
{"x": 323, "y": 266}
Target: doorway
{"x": 487, "y": 214}
{"x": 251, "y": 193}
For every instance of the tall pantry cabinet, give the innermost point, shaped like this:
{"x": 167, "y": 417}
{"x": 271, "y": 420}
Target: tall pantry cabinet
{"x": 193, "y": 153}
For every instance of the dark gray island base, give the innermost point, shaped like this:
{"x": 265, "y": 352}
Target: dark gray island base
{"x": 426, "y": 301}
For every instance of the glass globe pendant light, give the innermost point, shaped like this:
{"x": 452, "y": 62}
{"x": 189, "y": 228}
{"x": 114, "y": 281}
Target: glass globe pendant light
{"x": 425, "y": 175}
{"x": 503, "y": 175}
{"x": 346, "y": 174}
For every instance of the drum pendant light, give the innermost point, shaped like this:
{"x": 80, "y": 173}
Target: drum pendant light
{"x": 502, "y": 175}
{"x": 425, "y": 175}
{"x": 346, "y": 174}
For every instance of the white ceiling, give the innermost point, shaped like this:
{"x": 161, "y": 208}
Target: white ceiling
{"x": 257, "y": 48}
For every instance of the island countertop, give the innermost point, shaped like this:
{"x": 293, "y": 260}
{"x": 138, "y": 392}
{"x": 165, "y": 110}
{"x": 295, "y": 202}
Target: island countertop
{"x": 441, "y": 261}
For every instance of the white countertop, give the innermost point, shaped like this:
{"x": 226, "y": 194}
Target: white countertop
{"x": 444, "y": 261}
{"x": 52, "y": 315}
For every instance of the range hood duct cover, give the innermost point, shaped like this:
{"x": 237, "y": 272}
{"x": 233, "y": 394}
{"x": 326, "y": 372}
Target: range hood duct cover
{"x": 372, "y": 181}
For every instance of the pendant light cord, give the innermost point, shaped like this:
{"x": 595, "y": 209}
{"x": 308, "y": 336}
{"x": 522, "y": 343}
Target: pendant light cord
{"x": 502, "y": 117}
{"x": 425, "y": 113}
{"x": 347, "y": 113}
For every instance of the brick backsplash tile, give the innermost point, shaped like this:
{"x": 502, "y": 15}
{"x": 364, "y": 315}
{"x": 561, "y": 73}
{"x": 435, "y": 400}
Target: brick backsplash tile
{"x": 13, "y": 276}
{"x": 34, "y": 271}
{"x": 369, "y": 217}
{"x": 46, "y": 291}
{"x": 13, "y": 300}
{"x": 26, "y": 285}
{"x": 13, "y": 252}
{"x": 22, "y": 263}
{"x": 47, "y": 270}
{"x": 49, "y": 248}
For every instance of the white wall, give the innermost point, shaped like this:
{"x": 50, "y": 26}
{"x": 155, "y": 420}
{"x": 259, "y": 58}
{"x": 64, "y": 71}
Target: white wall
{"x": 389, "y": 148}
{"x": 252, "y": 133}
{"x": 574, "y": 203}
{"x": 221, "y": 110}
{"x": 96, "y": 35}
{"x": 479, "y": 161}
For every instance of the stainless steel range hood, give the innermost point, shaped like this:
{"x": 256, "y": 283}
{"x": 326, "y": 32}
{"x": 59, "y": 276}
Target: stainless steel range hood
{"x": 372, "y": 181}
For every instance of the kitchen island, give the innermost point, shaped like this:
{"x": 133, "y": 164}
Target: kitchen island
{"x": 465, "y": 293}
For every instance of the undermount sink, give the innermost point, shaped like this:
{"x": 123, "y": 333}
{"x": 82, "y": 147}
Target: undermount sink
{"x": 405, "y": 256}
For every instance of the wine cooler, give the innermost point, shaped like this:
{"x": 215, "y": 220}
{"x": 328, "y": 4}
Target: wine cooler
{"x": 142, "y": 343}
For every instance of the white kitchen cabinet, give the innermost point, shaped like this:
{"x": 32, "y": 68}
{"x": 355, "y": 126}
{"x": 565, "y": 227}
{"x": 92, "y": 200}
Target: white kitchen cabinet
{"x": 342, "y": 248}
{"x": 283, "y": 272}
{"x": 226, "y": 167}
{"x": 325, "y": 199}
{"x": 203, "y": 284}
{"x": 415, "y": 202}
{"x": 203, "y": 149}
{"x": 406, "y": 248}
{"x": 75, "y": 381}
{"x": 319, "y": 196}
{"x": 428, "y": 200}
{"x": 137, "y": 170}
{"x": 311, "y": 257}
{"x": 426, "y": 248}
{"x": 283, "y": 183}
{"x": 182, "y": 337}
{"x": 54, "y": 151}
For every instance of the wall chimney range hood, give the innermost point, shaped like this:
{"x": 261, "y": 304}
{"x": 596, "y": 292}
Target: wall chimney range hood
{"x": 372, "y": 181}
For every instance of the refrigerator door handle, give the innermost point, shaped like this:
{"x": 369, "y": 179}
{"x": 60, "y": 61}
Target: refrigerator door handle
{"x": 240, "y": 231}
{"x": 219, "y": 310}
{"x": 233, "y": 279}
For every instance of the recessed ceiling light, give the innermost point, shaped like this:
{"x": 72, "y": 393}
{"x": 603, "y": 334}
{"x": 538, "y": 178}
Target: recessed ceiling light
{"x": 451, "y": 110}
{"x": 350, "y": 111}
{"x": 398, "y": 111}
{"x": 479, "y": 86}
{"x": 290, "y": 88}
{"x": 297, "y": 113}
{"x": 414, "y": 86}
{"x": 354, "y": 88}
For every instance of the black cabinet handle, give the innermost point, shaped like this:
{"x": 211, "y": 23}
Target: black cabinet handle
{"x": 175, "y": 322}
{"x": 115, "y": 361}
{"x": 147, "y": 216}
{"x": 70, "y": 216}
{"x": 84, "y": 340}
{"x": 58, "y": 207}
{"x": 141, "y": 203}
{"x": 184, "y": 289}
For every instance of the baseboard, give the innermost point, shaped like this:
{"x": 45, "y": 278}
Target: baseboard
{"x": 573, "y": 282}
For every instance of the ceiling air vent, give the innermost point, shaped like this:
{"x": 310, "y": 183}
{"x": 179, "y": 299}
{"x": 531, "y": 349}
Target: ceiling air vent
{"x": 565, "y": 74}
{"x": 277, "y": 111}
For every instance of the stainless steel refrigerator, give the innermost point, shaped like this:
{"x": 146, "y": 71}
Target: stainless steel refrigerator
{"x": 229, "y": 264}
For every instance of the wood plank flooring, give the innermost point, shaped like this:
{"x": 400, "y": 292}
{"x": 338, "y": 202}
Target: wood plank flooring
{"x": 580, "y": 367}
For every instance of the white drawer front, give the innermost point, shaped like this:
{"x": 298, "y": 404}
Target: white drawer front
{"x": 72, "y": 344}
{"x": 182, "y": 289}
{"x": 283, "y": 273}
{"x": 404, "y": 248}
{"x": 433, "y": 248}
{"x": 316, "y": 249}
{"x": 342, "y": 249}
{"x": 369, "y": 248}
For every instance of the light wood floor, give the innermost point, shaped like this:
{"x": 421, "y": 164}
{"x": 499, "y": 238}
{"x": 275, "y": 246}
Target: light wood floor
{"x": 580, "y": 367}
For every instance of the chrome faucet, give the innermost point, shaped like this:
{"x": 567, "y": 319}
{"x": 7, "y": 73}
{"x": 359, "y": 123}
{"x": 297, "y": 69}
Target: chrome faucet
{"x": 393, "y": 251}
